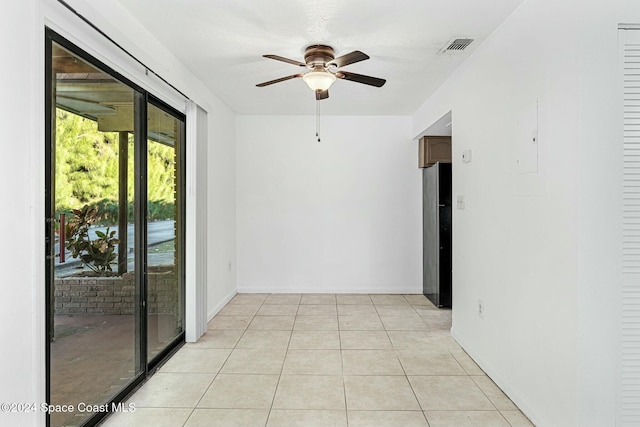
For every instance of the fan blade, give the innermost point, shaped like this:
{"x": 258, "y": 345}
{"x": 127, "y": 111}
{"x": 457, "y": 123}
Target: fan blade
{"x": 287, "y": 60}
{"x": 281, "y": 79}
{"x": 360, "y": 78}
{"x": 322, "y": 94}
{"x": 349, "y": 58}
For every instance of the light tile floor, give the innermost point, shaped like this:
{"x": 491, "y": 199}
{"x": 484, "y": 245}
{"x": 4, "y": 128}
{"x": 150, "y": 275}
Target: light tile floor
{"x": 285, "y": 360}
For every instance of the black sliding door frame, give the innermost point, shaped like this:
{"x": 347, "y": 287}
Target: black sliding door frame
{"x": 140, "y": 222}
{"x": 143, "y": 366}
{"x": 180, "y": 230}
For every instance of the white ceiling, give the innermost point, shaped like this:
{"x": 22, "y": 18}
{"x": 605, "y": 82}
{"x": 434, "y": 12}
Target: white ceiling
{"x": 222, "y": 43}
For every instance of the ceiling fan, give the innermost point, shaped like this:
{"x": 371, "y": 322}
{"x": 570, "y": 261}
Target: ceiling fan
{"x": 325, "y": 69}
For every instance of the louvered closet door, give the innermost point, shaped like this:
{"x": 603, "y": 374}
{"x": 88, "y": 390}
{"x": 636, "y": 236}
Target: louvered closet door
{"x": 630, "y": 387}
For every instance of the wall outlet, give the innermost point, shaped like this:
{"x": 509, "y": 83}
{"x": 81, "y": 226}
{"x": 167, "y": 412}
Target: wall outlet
{"x": 466, "y": 156}
{"x": 481, "y": 309}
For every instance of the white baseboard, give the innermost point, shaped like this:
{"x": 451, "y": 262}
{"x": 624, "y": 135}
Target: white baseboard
{"x": 524, "y": 404}
{"x": 224, "y": 301}
{"x": 407, "y": 290}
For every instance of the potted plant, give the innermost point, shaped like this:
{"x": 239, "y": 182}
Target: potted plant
{"x": 97, "y": 254}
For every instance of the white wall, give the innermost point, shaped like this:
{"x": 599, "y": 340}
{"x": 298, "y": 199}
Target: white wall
{"x": 22, "y": 119}
{"x": 542, "y": 250}
{"x": 340, "y": 215}
{"x": 221, "y": 249}
{"x": 600, "y": 210}
{"x": 22, "y": 254}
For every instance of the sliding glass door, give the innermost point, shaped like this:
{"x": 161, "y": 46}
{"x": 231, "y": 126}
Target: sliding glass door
{"x": 164, "y": 229}
{"x": 115, "y": 286}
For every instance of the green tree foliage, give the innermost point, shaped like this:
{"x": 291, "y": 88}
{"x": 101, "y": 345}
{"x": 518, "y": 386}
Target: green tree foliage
{"x": 86, "y": 171}
{"x": 160, "y": 173}
{"x": 86, "y": 162}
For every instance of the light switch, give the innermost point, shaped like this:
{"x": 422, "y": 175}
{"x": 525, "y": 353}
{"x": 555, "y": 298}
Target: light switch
{"x": 460, "y": 202}
{"x": 466, "y": 156}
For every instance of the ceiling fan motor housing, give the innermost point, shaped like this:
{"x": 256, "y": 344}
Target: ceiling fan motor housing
{"x": 318, "y": 56}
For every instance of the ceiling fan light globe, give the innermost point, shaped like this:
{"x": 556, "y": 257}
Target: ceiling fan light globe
{"x": 319, "y": 80}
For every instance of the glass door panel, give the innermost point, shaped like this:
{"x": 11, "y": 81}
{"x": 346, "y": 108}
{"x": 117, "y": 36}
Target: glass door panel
{"x": 95, "y": 298}
{"x": 165, "y": 284}
{"x": 115, "y": 214}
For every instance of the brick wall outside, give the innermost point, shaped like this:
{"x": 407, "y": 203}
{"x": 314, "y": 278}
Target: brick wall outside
{"x": 115, "y": 295}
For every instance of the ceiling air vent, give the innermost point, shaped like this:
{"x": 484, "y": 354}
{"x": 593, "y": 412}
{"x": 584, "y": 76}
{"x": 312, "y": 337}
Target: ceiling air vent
{"x": 456, "y": 45}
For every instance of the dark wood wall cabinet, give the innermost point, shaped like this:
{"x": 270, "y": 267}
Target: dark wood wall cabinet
{"x": 432, "y": 149}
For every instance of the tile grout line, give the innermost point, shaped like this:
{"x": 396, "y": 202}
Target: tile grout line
{"x": 489, "y": 399}
{"x": 219, "y": 370}
{"x": 468, "y": 376}
{"x": 209, "y": 386}
{"x": 275, "y": 391}
{"x": 407, "y": 376}
{"x": 190, "y": 414}
{"x": 285, "y": 356}
{"x": 344, "y": 383}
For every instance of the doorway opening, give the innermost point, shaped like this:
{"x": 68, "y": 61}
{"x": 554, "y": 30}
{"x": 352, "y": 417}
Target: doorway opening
{"x": 435, "y": 160}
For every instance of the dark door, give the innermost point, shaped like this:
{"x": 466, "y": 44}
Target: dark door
{"x": 436, "y": 239}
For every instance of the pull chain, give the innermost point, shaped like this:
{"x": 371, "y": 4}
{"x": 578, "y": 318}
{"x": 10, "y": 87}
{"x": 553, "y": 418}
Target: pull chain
{"x": 318, "y": 120}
